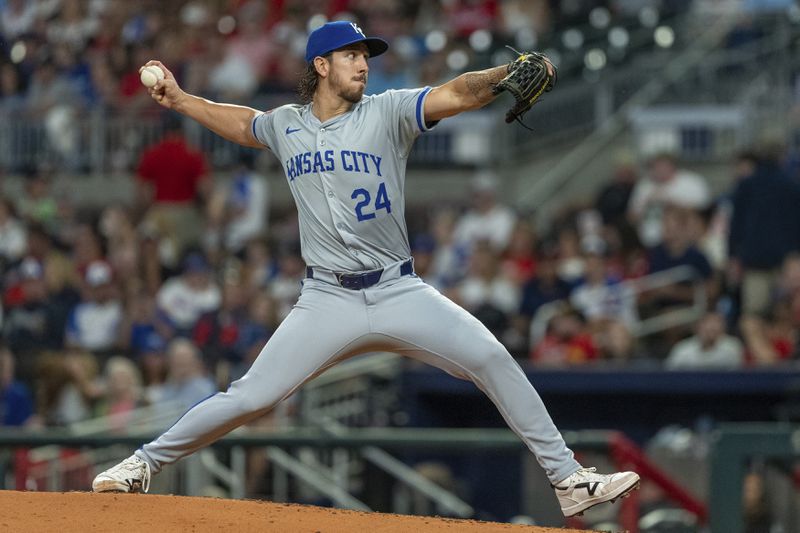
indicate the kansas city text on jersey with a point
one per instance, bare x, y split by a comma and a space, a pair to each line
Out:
325, 161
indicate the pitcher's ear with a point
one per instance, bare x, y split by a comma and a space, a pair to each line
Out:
322, 65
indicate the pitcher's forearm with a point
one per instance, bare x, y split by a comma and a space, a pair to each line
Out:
466, 92
478, 85
233, 122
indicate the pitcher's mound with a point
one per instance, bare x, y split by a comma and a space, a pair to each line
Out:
81, 512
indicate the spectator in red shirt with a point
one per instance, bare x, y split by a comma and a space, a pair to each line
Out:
519, 262
132, 98
173, 176
567, 342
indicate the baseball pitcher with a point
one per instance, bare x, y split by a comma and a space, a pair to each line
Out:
345, 155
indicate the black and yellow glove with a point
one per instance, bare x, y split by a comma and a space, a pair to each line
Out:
527, 79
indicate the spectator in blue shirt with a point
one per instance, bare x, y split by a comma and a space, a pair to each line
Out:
546, 286
187, 380
765, 228
16, 406
677, 249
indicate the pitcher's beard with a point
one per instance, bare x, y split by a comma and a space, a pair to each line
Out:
351, 95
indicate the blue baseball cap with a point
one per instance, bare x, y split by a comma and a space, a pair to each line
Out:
335, 35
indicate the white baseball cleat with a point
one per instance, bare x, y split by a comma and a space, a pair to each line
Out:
585, 488
131, 475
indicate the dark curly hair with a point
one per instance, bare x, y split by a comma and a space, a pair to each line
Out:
308, 82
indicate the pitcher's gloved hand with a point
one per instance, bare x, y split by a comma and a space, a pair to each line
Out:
529, 76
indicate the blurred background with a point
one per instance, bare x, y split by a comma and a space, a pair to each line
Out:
638, 253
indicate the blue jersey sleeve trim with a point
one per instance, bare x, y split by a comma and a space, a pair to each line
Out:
253, 129
420, 101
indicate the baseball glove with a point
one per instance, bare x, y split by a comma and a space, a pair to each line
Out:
527, 80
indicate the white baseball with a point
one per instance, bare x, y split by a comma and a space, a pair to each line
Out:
150, 75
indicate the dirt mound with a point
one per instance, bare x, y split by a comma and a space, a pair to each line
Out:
81, 512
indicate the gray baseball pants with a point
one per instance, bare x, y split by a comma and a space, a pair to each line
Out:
399, 314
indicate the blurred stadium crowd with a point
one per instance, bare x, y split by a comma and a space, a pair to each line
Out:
171, 295
87, 52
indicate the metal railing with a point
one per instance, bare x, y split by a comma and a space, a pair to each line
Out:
748, 88
623, 452
629, 290
404, 474
142, 419
347, 393
49, 462
100, 142
734, 448
343, 395
541, 193
696, 132
722, 106
41, 469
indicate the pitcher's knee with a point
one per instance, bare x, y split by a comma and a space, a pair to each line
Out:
253, 403
248, 401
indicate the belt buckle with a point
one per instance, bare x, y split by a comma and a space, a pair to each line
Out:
348, 281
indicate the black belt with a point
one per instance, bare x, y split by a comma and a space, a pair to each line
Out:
363, 280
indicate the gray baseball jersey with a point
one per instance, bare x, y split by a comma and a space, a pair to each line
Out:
347, 176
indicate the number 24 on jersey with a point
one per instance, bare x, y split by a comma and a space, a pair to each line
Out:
364, 211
